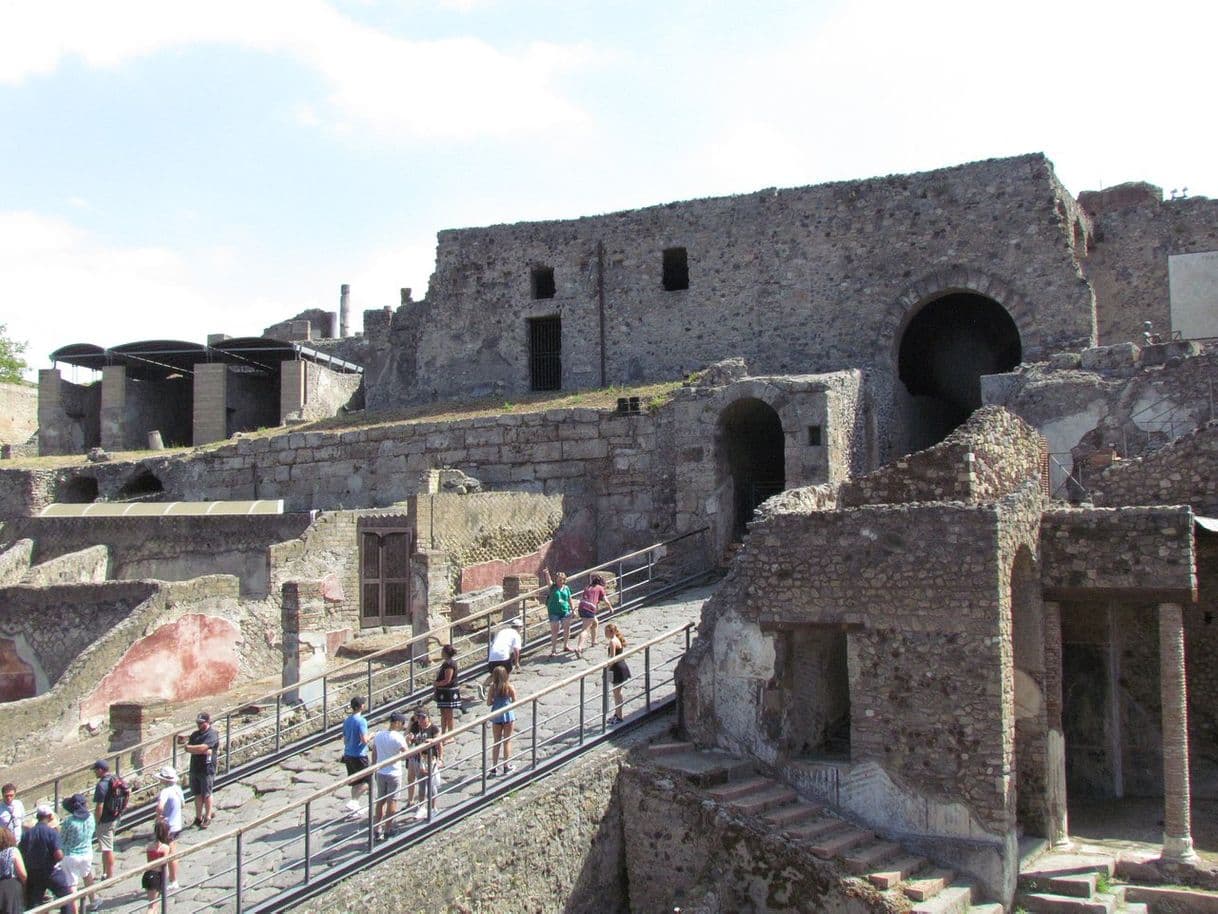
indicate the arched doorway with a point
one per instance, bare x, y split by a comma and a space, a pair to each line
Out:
946, 347
752, 446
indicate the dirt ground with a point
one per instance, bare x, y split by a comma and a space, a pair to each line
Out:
1137, 824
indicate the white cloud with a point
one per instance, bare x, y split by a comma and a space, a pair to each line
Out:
453, 88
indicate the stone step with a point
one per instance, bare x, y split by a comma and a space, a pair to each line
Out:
835, 842
992, 907
754, 804
794, 814
1134, 907
813, 830
954, 899
925, 886
1195, 901
896, 872
1048, 903
1081, 885
1053, 864
670, 748
735, 789
867, 857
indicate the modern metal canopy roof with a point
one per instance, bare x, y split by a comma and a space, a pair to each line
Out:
163, 508
160, 359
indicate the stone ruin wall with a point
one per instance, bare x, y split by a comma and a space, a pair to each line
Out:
18, 417
812, 279
1183, 473
1135, 231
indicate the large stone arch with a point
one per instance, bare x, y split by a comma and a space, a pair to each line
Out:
944, 333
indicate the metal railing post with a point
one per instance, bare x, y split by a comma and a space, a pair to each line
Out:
173, 752
484, 726
57, 796
409, 672
371, 808
604, 700
371, 700
237, 889
325, 703
278, 719
582, 680
308, 841
647, 675
228, 743
535, 736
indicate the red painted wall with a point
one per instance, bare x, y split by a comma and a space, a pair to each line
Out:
194, 657
491, 574
16, 676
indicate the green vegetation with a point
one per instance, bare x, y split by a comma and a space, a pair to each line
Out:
12, 364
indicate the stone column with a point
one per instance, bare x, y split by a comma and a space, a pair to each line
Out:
1055, 773
210, 403
1177, 824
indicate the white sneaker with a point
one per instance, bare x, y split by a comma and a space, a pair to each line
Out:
421, 813
352, 806
173, 887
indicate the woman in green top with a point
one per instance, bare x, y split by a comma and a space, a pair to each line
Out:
558, 607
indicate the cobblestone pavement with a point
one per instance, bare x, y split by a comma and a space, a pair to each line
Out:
273, 852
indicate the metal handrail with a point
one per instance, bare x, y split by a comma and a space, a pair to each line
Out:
226, 718
530, 701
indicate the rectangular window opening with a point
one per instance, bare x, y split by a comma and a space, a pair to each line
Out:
545, 353
676, 269
814, 437
542, 281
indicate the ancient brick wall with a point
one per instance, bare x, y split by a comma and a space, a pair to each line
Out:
1183, 473
1123, 398
811, 279
990, 456
1126, 551
166, 548
1135, 233
18, 413
68, 414
87, 566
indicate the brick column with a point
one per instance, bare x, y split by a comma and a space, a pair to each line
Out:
1055, 768
113, 407
292, 388
1177, 821
211, 403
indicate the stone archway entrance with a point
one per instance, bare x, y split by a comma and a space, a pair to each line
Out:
947, 345
753, 455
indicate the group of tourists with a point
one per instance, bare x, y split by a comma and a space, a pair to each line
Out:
55, 854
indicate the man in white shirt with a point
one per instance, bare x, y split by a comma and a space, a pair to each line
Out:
505, 648
169, 804
385, 745
12, 811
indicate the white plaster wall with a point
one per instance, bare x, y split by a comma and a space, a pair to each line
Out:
1064, 433
1193, 282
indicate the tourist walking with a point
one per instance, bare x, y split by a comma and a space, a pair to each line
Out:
153, 881
12, 811
589, 605
502, 693
106, 812
385, 745
12, 874
505, 648
618, 671
41, 853
558, 608
423, 768
170, 803
76, 839
203, 746
355, 753
448, 696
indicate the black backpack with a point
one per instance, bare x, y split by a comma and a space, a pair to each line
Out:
117, 798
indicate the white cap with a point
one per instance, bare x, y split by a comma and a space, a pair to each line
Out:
516, 623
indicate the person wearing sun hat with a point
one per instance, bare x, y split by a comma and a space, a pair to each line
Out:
169, 804
76, 838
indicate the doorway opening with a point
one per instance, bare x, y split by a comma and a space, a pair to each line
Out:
1032, 756
545, 353
945, 349
384, 576
814, 678
753, 444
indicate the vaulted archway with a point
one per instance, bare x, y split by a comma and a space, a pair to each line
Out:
752, 452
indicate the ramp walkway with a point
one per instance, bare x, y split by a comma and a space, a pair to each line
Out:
283, 831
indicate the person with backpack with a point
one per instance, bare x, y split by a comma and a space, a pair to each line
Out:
109, 800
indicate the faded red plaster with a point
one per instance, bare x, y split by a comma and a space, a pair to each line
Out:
193, 657
16, 676
490, 574
336, 639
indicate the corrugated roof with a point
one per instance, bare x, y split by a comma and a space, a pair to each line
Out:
164, 508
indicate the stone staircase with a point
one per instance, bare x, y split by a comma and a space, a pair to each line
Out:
1070, 883
885, 864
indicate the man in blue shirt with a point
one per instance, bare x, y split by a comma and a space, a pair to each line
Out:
41, 851
355, 752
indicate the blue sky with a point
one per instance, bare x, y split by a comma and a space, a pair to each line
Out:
169, 170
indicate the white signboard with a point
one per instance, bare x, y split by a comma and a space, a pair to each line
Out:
1193, 280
